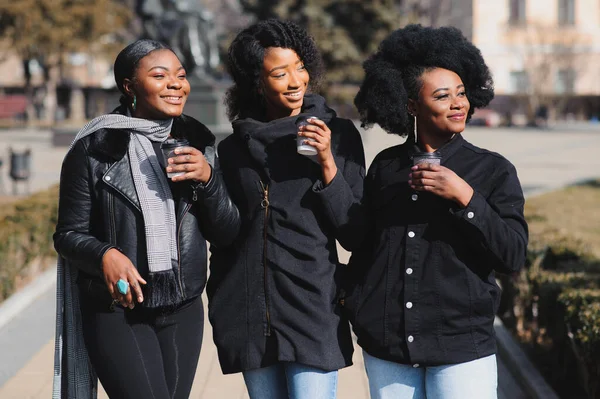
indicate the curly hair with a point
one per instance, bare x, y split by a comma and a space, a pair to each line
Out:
245, 61
393, 74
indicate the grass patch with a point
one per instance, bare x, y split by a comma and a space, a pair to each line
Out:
26, 228
568, 217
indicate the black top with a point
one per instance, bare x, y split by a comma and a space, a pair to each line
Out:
273, 292
425, 288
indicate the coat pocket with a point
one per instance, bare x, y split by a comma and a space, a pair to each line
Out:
95, 292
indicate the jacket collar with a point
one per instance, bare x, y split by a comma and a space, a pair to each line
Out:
113, 143
278, 135
446, 151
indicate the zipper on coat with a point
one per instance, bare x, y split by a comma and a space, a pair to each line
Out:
265, 205
185, 211
113, 223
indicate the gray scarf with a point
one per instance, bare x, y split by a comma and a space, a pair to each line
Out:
74, 376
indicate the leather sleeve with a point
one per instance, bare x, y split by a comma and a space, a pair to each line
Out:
219, 217
73, 239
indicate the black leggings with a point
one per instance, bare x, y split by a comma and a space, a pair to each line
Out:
143, 353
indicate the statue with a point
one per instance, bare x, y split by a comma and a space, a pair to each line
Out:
188, 28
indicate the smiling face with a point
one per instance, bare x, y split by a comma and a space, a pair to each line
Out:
284, 81
442, 106
160, 86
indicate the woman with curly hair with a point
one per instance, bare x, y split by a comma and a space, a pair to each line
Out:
273, 294
425, 297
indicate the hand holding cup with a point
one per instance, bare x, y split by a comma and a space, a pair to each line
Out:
185, 162
314, 133
428, 175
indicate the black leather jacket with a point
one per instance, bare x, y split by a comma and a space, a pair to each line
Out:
99, 209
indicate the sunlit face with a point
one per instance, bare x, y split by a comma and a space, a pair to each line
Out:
284, 81
442, 106
160, 86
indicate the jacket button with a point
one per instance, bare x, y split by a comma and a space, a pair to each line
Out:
107, 178
411, 234
414, 197
470, 215
409, 271
411, 338
409, 305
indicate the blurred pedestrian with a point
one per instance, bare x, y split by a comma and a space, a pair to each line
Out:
273, 294
432, 235
131, 241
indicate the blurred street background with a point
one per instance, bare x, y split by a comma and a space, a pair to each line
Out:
56, 74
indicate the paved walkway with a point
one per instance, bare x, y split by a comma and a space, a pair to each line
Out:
545, 160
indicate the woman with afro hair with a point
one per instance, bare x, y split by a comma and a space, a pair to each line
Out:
425, 297
274, 296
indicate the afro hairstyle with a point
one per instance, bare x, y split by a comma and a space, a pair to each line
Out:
393, 74
245, 61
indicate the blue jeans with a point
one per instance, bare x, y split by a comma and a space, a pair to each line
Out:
477, 379
291, 380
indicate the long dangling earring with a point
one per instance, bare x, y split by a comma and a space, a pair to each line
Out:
134, 103
415, 127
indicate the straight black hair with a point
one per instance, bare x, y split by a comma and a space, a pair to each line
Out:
128, 60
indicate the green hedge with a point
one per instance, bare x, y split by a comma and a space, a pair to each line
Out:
553, 306
26, 228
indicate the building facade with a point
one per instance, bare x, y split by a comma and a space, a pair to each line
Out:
544, 55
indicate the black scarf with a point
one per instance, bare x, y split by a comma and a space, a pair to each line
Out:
278, 136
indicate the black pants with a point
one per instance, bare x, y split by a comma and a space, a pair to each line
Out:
143, 353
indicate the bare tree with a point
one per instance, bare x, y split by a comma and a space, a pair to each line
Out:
551, 58
47, 31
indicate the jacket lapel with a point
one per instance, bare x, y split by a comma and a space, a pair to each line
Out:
118, 176
112, 145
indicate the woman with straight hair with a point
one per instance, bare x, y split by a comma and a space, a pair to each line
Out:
132, 241
274, 293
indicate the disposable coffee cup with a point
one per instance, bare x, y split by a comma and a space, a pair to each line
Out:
168, 149
427, 157
304, 149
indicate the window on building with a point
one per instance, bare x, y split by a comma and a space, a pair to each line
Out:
566, 12
565, 81
519, 82
517, 11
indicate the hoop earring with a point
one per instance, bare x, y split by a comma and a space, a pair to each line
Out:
134, 103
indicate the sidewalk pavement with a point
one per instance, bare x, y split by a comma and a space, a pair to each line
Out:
45, 159
545, 160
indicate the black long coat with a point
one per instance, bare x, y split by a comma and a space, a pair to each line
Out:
273, 294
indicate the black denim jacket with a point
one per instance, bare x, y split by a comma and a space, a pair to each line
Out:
423, 269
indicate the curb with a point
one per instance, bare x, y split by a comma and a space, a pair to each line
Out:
21, 299
520, 366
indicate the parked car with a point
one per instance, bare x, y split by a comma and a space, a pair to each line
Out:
485, 117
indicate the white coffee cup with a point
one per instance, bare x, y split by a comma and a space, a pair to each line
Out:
302, 148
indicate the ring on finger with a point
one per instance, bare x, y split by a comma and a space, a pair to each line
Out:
122, 286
